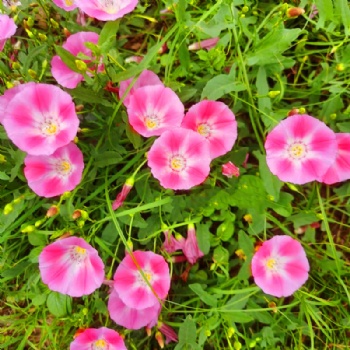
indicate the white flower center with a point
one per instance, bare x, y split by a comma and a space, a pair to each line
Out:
141, 279
64, 167
100, 344
78, 254
151, 122
109, 6
297, 150
50, 127
204, 129
274, 264
177, 163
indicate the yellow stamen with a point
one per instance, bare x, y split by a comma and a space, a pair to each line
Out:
151, 123
297, 150
177, 163
270, 264
203, 129
64, 167
69, 2
80, 250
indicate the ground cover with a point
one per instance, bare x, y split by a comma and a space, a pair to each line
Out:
99, 229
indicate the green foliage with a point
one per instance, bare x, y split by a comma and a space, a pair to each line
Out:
264, 65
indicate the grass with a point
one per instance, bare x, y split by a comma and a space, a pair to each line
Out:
264, 65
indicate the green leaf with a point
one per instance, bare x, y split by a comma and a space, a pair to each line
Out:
187, 333
16, 270
303, 218
250, 194
219, 86
203, 235
269, 49
59, 304
4, 176
284, 205
39, 299
225, 230
109, 234
221, 255
107, 158
37, 51
67, 58
203, 295
271, 182
87, 95
107, 38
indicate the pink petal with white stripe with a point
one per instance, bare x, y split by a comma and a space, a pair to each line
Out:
132, 318
154, 109
132, 286
280, 266
180, 159
40, 119
300, 149
146, 78
106, 10
71, 266
50, 176
216, 122
340, 169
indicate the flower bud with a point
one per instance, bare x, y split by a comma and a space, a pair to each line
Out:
340, 67
295, 12
160, 339
273, 94
28, 229
81, 65
8, 208
54, 210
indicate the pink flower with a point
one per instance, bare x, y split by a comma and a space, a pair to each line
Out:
130, 283
171, 244
204, 44
340, 169
50, 176
154, 109
169, 333
300, 149
106, 10
229, 170
71, 266
129, 317
40, 119
98, 339
67, 5
180, 159
191, 249
216, 122
280, 266
129, 183
7, 29
75, 44
7, 97
146, 78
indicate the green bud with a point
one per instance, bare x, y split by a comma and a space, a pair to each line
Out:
81, 65
252, 344
302, 110
16, 65
230, 332
237, 345
54, 23
28, 229
340, 67
333, 116
30, 22
80, 223
42, 37
32, 73
245, 9
8, 208
273, 94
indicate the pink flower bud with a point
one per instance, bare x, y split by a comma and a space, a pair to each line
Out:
129, 183
191, 248
170, 334
204, 44
229, 170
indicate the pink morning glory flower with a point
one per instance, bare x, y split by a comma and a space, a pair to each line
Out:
300, 149
67, 5
71, 266
154, 109
216, 122
191, 249
40, 119
340, 169
280, 266
7, 29
146, 78
229, 170
204, 44
180, 159
106, 10
50, 176
75, 44
98, 339
131, 284
129, 317
7, 97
